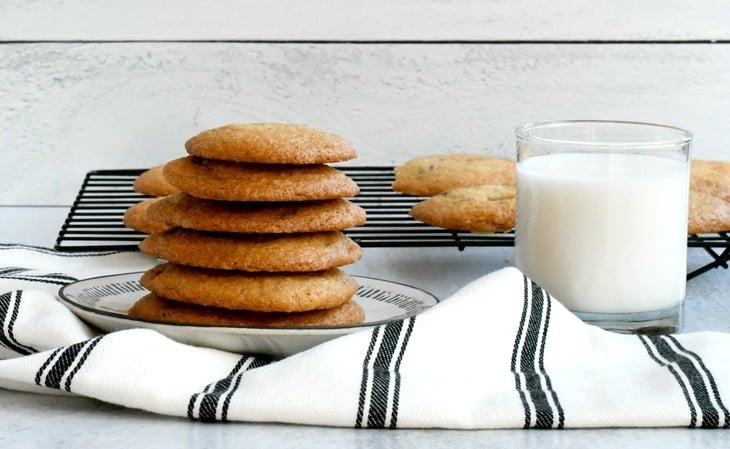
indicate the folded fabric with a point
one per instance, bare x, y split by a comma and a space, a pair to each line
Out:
499, 353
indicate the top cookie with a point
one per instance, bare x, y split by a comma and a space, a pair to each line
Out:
270, 143
434, 174
153, 183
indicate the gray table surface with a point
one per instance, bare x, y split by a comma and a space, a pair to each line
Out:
30, 420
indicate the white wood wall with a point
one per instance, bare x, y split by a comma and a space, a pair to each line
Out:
110, 84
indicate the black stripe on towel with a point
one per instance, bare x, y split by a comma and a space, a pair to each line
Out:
380, 384
39, 249
257, 363
84, 355
531, 379
204, 405
711, 384
381, 375
696, 381
9, 306
12, 270
541, 360
57, 276
65, 363
26, 274
515, 351
654, 354
39, 374
366, 376
36, 279
396, 393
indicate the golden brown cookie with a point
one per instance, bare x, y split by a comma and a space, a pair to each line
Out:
482, 209
707, 213
232, 181
241, 290
153, 183
152, 307
253, 252
137, 218
434, 174
270, 143
189, 212
711, 177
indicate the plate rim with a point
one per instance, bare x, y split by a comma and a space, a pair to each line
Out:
253, 329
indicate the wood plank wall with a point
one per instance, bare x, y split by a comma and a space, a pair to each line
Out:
109, 84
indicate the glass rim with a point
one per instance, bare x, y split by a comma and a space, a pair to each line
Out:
523, 132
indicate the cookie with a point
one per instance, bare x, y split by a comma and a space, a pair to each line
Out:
270, 143
153, 183
137, 218
253, 252
241, 290
189, 212
711, 177
707, 213
434, 174
232, 181
152, 307
488, 208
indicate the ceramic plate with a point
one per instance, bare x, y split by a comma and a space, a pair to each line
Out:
104, 301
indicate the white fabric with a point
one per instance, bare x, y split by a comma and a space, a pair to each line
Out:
499, 353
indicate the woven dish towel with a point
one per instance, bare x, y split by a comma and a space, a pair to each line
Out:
499, 353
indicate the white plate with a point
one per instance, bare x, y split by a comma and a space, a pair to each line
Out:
104, 301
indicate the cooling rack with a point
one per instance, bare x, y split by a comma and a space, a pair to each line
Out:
95, 219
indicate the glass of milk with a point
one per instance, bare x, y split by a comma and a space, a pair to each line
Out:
602, 219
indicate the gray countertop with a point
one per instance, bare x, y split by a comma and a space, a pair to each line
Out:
29, 420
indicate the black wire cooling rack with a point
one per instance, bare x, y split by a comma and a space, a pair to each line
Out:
95, 219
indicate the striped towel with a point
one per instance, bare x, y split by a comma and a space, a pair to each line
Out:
499, 353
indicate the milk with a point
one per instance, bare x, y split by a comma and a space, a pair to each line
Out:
604, 233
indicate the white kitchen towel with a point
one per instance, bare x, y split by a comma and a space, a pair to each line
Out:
499, 353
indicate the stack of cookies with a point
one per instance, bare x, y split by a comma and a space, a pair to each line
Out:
255, 234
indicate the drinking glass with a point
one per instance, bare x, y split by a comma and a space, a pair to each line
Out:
602, 219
